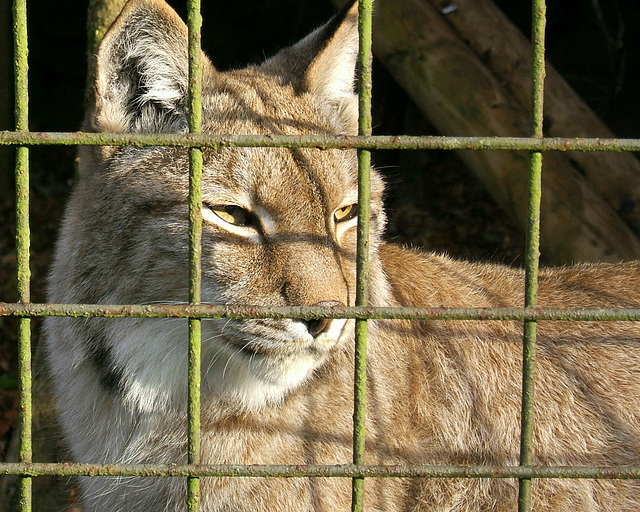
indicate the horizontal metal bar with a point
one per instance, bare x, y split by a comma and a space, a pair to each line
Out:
317, 470
318, 141
310, 312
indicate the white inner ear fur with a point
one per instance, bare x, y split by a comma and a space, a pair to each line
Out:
163, 76
142, 65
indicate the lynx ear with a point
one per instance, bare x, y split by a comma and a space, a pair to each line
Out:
142, 71
324, 64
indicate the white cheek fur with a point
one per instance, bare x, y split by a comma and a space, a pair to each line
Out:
153, 354
153, 357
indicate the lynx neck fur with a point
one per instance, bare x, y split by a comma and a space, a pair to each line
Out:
279, 230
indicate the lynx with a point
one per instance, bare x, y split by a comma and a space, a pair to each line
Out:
280, 230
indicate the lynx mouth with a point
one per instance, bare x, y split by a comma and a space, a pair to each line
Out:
267, 340
252, 350
275, 348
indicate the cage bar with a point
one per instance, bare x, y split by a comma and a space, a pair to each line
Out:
194, 24
362, 264
318, 471
532, 255
34, 309
23, 243
377, 142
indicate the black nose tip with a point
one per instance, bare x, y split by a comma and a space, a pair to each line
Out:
320, 325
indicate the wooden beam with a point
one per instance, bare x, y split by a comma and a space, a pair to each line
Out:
451, 82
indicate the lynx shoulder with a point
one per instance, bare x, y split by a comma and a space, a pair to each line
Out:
280, 230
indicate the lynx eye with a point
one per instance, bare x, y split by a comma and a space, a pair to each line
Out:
345, 213
233, 214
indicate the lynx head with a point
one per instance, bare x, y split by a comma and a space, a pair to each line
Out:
279, 224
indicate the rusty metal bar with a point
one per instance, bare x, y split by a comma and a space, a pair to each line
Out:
23, 243
365, 59
316, 470
194, 24
201, 140
313, 312
532, 253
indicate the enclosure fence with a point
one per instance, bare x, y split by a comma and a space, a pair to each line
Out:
195, 141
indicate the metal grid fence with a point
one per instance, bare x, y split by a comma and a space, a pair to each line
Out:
22, 139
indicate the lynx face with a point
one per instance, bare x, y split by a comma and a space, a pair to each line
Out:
262, 245
279, 225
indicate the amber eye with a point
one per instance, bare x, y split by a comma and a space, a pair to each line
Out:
345, 213
233, 214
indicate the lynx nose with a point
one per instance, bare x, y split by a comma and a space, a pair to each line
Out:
320, 325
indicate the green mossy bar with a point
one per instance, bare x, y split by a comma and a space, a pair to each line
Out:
316, 470
532, 253
378, 142
314, 312
194, 24
365, 58
23, 244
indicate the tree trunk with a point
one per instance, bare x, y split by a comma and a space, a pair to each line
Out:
100, 16
452, 83
506, 51
6, 105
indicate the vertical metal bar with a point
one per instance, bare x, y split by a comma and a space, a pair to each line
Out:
194, 23
532, 256
23, 243
362, 270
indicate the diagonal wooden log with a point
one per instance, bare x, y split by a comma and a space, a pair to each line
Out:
460, 94
100, 16
506, 51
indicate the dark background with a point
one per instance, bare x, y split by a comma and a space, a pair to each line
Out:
597, 54
593, 43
